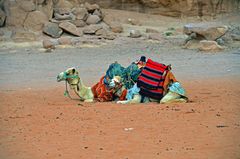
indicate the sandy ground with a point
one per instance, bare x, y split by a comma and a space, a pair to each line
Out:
41, 123
37, 121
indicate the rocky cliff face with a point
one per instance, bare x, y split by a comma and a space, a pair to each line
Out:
171, 7
23, 13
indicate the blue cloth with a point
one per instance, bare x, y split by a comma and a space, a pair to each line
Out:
129, 75
177, 88
132, 91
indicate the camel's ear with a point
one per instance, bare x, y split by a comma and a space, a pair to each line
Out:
73, 70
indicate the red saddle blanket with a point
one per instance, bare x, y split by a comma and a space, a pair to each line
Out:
151, 79
102, 94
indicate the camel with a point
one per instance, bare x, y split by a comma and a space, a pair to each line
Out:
71, 76
90, 94
169, 96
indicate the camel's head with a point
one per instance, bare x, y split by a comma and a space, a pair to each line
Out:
70, 75
115, 81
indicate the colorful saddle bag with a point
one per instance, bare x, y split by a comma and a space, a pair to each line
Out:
151, 79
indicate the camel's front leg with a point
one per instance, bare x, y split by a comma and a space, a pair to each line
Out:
88, 100
136, 99
172, 97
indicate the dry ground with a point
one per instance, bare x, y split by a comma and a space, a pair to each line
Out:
41, 123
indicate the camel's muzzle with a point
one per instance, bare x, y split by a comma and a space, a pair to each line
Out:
59, 79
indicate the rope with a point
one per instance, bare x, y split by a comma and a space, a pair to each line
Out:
67, 94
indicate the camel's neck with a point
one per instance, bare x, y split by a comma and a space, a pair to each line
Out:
81, 90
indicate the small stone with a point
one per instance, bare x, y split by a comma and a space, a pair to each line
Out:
48, 44
133, 21
79, 23
101, 32
91, 29
65, 41
150, 30
93, 19
109, 36
98, 13
91, 7
155, 37
220, 41
235, 37
116, 27
81, 13
67, 16
135, 34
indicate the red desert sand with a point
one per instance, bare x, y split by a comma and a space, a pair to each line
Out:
41, 123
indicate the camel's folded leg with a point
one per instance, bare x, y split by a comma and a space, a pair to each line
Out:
88, 100
136, 99
172, 97
123, 102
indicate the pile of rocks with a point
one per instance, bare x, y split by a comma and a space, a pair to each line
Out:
205, 36
210, 36
55, 19
76, 21
85, 19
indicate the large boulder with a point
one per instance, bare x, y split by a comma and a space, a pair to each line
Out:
27, 5
17, 17
53, 30
2, 17
206, 30
70, 28
35, 21
93, 19
206, 45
